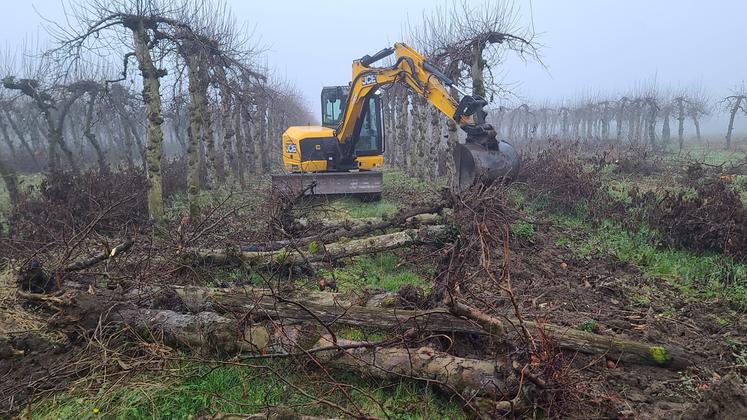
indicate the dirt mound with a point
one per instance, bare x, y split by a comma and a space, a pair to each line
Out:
727, 399
713, 220
43, 367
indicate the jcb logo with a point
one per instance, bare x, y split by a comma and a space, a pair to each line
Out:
369, 79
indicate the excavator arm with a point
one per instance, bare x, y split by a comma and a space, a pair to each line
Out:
422, 77
482, 156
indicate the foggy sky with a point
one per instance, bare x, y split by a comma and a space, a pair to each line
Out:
590, 46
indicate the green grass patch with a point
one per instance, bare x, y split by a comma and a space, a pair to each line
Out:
378, 271
356, 209
205, 389
523, 230
400, 186
359, 334
705, 276
590, 325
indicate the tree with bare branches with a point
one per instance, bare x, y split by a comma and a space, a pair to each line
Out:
734, 103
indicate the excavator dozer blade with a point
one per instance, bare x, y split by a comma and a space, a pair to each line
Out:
475, 162
366, 185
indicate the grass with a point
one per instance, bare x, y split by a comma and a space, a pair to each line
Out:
380, 271
707, 276
194, 389
356, 209
523, 230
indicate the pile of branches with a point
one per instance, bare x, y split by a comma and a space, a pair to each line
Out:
715, 219
556, 172
62, 205
634, 159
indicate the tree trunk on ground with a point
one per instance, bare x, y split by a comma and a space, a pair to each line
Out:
323, 252
615, 348
322, 306
205, 332
466, 377
152, 99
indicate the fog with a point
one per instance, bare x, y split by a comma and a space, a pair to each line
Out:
588, 46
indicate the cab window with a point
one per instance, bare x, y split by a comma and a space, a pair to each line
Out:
333, 105
370, 135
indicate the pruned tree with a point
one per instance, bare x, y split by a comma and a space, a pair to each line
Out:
733, 104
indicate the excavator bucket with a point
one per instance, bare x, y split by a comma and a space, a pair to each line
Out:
475, 162
366, 185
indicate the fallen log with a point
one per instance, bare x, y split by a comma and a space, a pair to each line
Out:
103, 256
460, 318
263, 303
342, 228
615, 348
316, 251
204, 332
32, 277
466, 377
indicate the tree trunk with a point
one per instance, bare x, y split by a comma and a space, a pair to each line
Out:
11, 181
8, 140
259, 137
401, 129
665, 131
22, 138
478, 81
322, 252
680, 122
128, 143
194, 134
466, 377
88, 133
416, 135
211, 160
240, 144
154, 133
732, 114
434, 146
229, 133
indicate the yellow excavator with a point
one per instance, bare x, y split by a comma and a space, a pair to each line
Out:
345, 155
